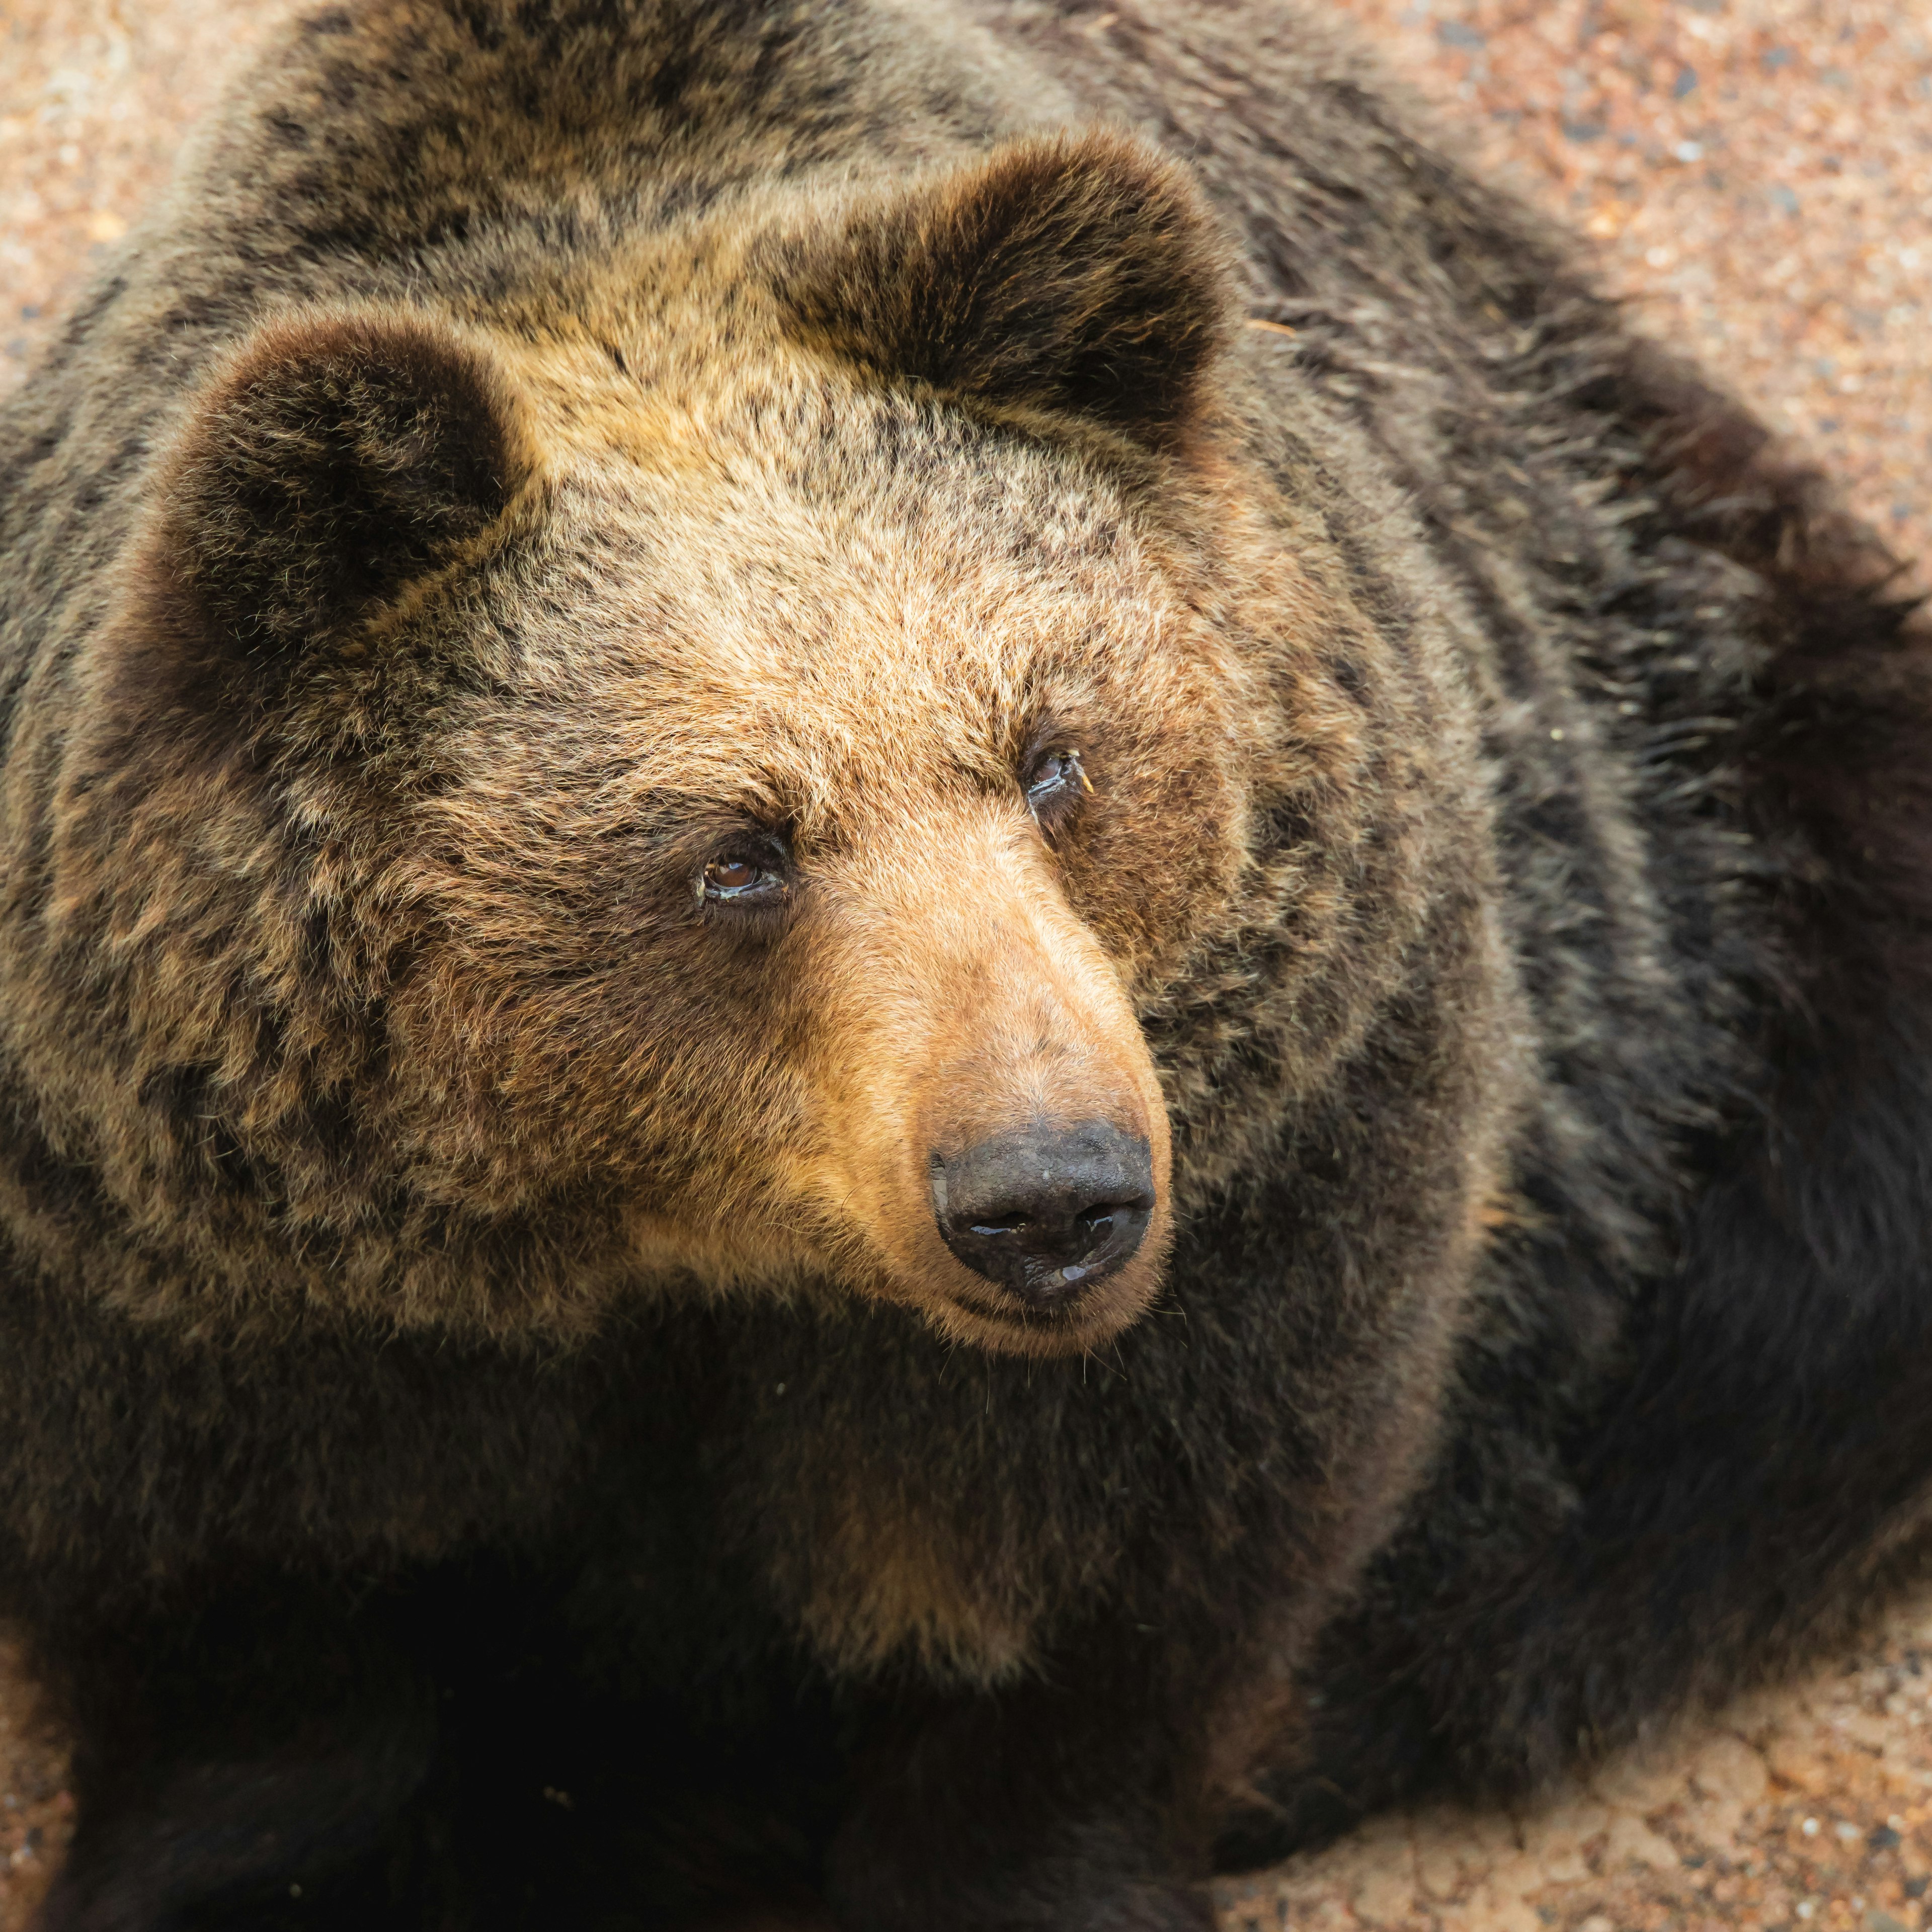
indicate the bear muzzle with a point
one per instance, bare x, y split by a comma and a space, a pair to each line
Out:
1046, 1210
992, 1121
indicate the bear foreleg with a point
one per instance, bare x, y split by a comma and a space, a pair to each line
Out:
243, 1768
1047, 1808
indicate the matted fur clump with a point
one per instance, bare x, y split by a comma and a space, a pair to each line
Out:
936, 968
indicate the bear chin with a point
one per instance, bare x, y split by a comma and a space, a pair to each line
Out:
1003, 1327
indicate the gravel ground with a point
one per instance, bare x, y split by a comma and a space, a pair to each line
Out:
1808, 1806
1756, 175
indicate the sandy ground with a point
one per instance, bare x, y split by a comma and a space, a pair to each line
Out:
1756, 175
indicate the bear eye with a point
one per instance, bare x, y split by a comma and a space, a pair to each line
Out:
742, 879
1055, 785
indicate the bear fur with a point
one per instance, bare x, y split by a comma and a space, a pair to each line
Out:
629, 625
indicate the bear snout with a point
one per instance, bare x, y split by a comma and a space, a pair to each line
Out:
1047, 1209
993, 1126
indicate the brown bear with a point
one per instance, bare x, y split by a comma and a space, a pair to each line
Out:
938, 967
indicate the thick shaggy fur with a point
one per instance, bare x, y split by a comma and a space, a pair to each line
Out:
493, 1437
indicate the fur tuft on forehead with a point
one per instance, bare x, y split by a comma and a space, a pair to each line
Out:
1075, 273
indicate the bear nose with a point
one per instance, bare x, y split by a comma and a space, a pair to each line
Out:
1046, 1210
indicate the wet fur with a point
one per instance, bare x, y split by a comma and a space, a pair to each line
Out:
1512, 844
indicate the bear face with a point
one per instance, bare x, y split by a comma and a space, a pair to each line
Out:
700, 783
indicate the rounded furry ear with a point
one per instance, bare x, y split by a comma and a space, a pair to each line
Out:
338, 460
1081, 273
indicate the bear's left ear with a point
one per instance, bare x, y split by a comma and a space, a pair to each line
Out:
338, 459
1079, 273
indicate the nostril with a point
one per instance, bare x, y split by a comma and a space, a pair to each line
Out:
1045, 1210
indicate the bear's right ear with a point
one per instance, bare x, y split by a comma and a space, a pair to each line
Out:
337, 461
1078, 273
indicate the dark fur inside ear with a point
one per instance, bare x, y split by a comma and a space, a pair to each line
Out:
1081, 273
338, 460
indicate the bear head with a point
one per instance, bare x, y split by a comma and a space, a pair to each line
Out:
695, 770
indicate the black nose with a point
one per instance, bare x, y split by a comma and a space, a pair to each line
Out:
1046, 1210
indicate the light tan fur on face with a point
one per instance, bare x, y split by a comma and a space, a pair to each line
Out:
866, 669
956, 1014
